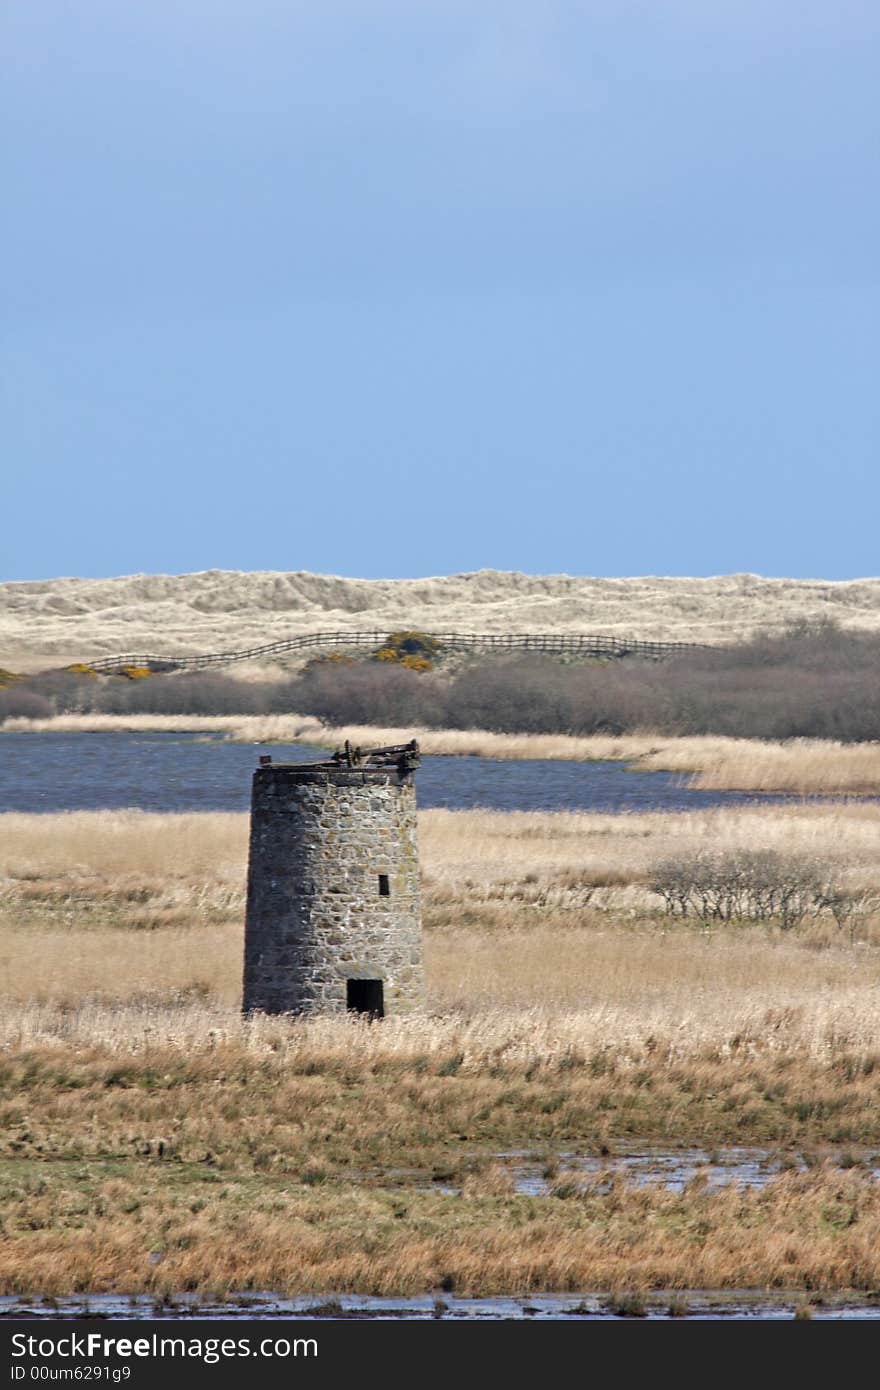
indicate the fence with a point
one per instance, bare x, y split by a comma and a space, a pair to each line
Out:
552, 644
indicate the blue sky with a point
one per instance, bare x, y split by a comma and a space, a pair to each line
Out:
390, 289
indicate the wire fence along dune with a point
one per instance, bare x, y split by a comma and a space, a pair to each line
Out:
547, 643
50, 622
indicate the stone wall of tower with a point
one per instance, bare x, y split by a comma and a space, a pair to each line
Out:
316, 917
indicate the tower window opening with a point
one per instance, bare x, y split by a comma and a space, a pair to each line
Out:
384, 886
365, 997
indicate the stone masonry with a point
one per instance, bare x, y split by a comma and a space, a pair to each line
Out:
333, 909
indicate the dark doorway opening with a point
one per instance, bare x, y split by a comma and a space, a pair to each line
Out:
384, 886
365, 997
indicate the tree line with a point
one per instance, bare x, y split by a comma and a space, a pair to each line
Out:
808, 682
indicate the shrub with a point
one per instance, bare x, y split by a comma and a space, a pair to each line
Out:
743, 885
812, 682
413, 644
17, 702
328, 659
415, 650
195, 692
370, 692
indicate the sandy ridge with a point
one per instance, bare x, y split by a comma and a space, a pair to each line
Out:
53, 621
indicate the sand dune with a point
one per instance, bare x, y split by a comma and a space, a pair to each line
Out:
54, 621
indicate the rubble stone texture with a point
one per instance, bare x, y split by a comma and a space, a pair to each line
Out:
317, 917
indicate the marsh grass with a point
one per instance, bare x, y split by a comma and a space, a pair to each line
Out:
547, 914
141, 1116
133, 1228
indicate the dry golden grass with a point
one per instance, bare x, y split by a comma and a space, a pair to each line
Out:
492, 846
139, 1114
122, 848
534, 921
151, 1230
54, 621
482, 848
146, 723
802, 767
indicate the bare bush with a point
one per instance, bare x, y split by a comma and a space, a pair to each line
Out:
185, 693
370, 692
847, 908
814, 682
206, 693
745, 885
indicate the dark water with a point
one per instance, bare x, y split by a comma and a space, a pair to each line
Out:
697, 1305
189, 772
648, 1165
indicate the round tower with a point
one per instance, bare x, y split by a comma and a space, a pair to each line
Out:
333, 909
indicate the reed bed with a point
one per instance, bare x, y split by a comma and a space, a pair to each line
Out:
840, 1019
294, 726
152, 1233
542, 935
152, 1139
482, 851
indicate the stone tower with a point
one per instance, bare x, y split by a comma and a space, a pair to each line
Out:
333, 910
